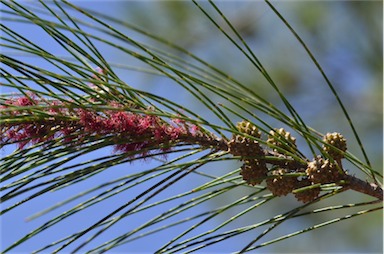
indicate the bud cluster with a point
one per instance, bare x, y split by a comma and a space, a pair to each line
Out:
254, 169
284, 178
335, 145
309, 194
280, 184
323, 171
282, 139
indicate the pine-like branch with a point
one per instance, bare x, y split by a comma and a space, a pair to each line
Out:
137, 133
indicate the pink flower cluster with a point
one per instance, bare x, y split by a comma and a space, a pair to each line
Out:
20, 132
132, 132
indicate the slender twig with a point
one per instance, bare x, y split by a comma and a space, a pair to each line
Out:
140, 132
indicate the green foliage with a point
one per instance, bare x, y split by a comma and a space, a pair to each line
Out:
191, 196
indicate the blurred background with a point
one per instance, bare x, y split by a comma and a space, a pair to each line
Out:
346, 39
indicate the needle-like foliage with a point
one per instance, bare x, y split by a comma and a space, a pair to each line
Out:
70, 119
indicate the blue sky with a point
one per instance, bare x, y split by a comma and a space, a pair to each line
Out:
338, 56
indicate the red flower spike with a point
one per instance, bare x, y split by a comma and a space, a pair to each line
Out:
24, 101
91, 121
12, 134
122, 122
53, 109
146, 123
140, 131
194, 129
